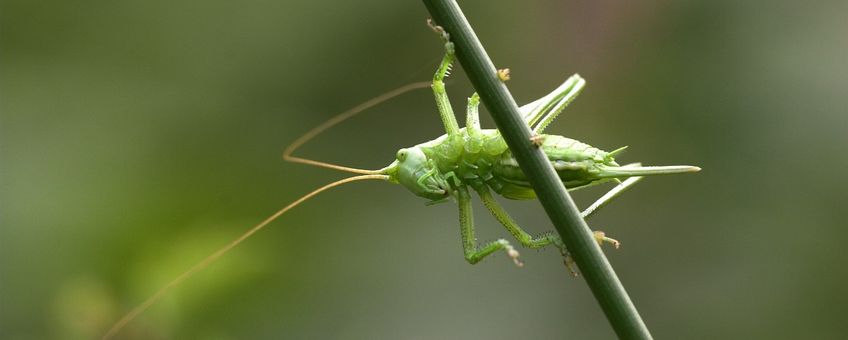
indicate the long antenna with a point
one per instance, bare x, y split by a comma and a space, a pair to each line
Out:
214, 256
287, 154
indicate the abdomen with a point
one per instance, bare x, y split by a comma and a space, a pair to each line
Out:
575, 163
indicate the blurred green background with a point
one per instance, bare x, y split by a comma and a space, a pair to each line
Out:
136, 137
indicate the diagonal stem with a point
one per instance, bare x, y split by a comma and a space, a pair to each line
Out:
559, 206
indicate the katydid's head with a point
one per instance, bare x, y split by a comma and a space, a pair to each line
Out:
419, 174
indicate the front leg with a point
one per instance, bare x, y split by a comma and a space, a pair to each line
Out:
442, 101
473, 253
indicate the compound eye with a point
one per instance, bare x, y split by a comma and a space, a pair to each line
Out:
402, 154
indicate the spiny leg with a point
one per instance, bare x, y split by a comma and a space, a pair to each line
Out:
473, 253
442, 101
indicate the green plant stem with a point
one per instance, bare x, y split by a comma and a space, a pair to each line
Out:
559, 206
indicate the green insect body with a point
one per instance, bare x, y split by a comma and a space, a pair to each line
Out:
479, 159
470, 157
436, 168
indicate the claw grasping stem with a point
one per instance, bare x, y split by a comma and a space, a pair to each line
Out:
601, 237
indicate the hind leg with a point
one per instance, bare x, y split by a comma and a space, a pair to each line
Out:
609, 196
543, 111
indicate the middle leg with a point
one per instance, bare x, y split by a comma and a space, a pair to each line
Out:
473, 253
542, 240
522, 236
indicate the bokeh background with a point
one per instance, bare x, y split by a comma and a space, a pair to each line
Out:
136, 137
